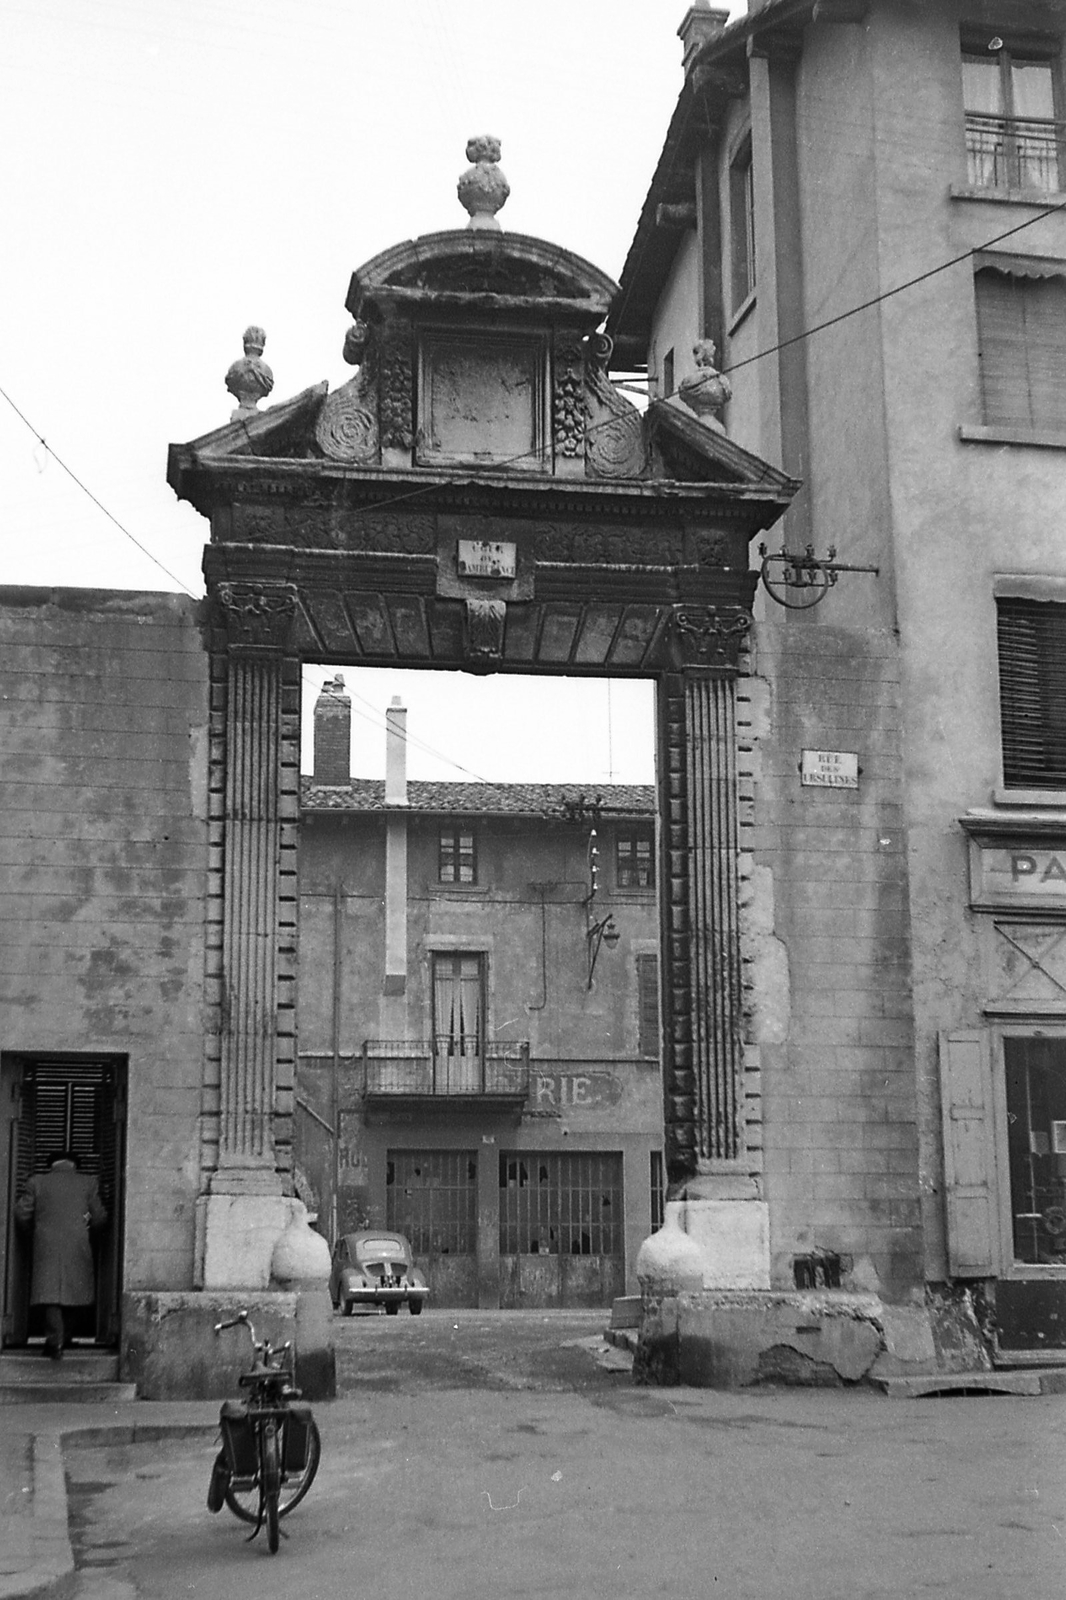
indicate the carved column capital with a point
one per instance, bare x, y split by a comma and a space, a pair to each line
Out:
257, 617
709, 636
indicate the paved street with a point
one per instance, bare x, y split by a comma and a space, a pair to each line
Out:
486, 1456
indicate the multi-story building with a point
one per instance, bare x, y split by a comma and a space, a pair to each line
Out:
478, 1020
863, 205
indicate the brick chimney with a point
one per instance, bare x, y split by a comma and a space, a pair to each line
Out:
703, 22
333, 736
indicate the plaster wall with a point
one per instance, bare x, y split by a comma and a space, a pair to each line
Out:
591, 1090
677, 314
962, 512
824, 893
525, 913
103, 800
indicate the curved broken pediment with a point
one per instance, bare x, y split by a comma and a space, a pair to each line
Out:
464, 262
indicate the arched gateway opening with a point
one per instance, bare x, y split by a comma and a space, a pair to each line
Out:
479, 497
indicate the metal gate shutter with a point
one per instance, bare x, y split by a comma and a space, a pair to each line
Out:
431, 1196
562, 1235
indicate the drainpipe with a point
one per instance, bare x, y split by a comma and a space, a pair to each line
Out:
395, 870
336, 1086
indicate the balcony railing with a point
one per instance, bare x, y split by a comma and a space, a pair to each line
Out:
1014, 152
427, 1067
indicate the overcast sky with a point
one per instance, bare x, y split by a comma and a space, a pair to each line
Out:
176, 169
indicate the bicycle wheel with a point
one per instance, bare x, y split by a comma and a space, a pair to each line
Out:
270, 1481
242, 1495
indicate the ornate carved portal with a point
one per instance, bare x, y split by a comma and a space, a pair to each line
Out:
263, 629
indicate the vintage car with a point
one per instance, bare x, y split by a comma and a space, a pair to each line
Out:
375, 1268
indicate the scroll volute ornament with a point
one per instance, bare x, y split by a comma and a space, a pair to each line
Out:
710, 636
257, 617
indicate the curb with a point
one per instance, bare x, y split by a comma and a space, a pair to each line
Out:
53, 1571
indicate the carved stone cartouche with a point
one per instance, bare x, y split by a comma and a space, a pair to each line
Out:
706, 391
249, 379
483, 189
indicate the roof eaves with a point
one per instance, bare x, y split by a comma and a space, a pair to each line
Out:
625, 323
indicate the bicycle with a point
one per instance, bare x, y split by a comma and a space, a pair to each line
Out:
270, 1441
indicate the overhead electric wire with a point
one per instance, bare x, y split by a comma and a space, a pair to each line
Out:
96, 502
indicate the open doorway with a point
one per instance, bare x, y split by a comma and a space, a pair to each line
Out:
51, 1103
478, 972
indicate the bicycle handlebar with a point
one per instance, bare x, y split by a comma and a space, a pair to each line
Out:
263, 1346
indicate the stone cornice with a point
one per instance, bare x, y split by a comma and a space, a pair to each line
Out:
210, 483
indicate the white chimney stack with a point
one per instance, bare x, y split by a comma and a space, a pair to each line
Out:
396, 753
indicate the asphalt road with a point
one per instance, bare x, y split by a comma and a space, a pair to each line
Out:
484, 1458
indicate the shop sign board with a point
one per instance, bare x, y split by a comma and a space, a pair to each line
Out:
1017, 875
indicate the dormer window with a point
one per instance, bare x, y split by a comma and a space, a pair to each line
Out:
482, 400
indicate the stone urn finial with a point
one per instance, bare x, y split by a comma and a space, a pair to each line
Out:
706, 391
249, 380
483, 189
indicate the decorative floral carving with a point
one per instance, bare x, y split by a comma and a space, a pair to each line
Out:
395, 390
257, 616
483, 189
710, 637
484, 628
570, 411
249, 379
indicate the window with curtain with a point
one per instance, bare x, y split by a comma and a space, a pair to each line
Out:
458, 1021
1021, 335
1032, 692
1010, 96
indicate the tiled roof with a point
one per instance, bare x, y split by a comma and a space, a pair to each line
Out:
484, 799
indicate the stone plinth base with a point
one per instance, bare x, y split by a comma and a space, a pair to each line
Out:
171, 1351
236, 1235
731, 1339
734, 1236
723, 1339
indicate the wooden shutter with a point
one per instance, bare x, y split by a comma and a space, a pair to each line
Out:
1021, 335
648, 1005
1031, 637
969, 1155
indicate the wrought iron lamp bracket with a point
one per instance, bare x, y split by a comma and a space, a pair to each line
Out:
801, 581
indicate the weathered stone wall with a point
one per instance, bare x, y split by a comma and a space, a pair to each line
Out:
828, 948
103, 797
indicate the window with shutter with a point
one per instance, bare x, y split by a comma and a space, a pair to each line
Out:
1032, 692
1021, 336
648, 1005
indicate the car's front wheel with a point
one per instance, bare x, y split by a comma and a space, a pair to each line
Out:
391, 1309
348, 1306
415, 1307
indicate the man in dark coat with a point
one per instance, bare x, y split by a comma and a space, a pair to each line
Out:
61, 1205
